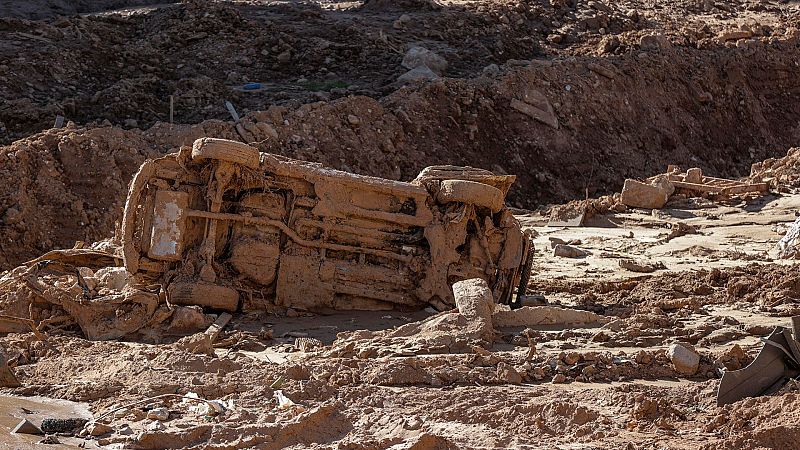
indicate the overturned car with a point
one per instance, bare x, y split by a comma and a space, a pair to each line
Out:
223, 226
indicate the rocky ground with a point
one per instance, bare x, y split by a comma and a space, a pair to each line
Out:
571, 96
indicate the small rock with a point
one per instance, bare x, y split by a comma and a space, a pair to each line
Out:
401, 22
734, 35
158, 414
422, 73
285, 57
684, 358
654, 42
555, 38
507, 373
491, 69
420, 56
641, 266
353, 120
568, 251
131, 123
98, 429
559, 378
12, 216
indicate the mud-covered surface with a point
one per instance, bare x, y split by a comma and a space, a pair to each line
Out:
572, 97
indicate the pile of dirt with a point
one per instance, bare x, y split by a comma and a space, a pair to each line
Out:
413, 128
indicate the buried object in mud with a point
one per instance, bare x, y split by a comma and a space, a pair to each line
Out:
776, 363
222, 214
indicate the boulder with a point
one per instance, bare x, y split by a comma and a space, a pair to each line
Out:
650, 196
684, 358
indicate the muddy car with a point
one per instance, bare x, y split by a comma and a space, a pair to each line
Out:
223, 226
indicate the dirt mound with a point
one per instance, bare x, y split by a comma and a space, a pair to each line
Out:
593, 150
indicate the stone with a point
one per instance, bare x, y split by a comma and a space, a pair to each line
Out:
641, 266
491, 69
98, 429
285, 57
420, 56
507, 374
568, 251
636, 194
422, 73
684, 358
474, 298
694, 175
654, 42
401, 22
12, 216
734, 35
25, 426
535, 104
353, 120
160, 414
555, 38
559, 378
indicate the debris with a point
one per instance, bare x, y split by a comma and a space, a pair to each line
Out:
50, 425
97, 429
641, 266
25, 426
305, 344
536, 105
529, 316
474, 299
695, 183
569, 251
787, 247
778, 361
422, 73
417, 57
645, 195
285, 403
684, 358
679, 229
160, 414
59, 121
310, 271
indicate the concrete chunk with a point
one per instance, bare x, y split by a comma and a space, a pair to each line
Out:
474, 299
642, 195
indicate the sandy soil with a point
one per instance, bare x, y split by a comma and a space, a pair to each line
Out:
632, 86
